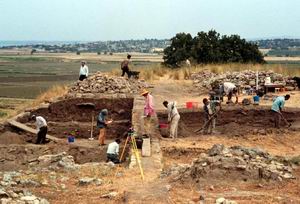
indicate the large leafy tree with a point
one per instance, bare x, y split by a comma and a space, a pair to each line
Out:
179, 50
210, 47
206, 47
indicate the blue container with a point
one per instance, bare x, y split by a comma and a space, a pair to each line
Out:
71, 139
256, 99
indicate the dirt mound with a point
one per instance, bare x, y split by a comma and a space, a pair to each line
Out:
11, 138
101, 83
233, 163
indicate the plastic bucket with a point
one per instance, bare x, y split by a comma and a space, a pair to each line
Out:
191, 105
268, 80
256, 98
71, 139
163, 125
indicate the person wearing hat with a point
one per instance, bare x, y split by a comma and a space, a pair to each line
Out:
173, 117
84, 71
125, 66
42, 129
102, 124
149, 104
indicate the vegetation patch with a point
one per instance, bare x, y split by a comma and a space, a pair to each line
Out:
2, 114
211, 47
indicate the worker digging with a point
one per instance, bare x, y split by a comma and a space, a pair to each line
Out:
210, 115
173, 118
277, 107
42, 129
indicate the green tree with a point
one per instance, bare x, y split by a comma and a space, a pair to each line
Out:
206, 47
179, 50
210, 47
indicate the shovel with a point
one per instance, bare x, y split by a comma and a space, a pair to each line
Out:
211, 117
92, 127
285, 120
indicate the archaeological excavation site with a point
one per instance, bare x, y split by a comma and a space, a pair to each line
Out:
245, 160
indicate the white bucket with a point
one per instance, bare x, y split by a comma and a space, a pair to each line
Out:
268, 80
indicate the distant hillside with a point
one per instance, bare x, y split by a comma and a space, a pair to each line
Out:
279, 47
101, 47
278, 43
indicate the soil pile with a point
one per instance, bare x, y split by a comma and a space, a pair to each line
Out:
101, 83
8, 138
233, 163
205, 79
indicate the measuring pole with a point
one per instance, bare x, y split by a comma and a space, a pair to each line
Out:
256, 80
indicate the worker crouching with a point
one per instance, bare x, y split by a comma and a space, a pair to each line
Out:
113, 151
173, 118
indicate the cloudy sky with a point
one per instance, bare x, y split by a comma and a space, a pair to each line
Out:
90, 20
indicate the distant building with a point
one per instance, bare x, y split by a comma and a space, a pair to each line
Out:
157, 50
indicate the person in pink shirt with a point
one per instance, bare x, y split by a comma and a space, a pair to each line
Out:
149, 104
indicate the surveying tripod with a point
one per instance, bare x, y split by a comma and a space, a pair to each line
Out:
131, 138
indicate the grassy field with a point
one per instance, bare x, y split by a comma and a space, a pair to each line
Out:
28, 77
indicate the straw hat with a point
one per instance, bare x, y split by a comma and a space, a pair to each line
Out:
144, 92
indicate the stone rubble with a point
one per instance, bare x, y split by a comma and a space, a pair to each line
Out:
102, 83
20, 197
205, 79
86, 181
224, 201
61, 160
251, 162
110, 195
13, 184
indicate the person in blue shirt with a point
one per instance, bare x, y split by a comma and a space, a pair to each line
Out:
277, 107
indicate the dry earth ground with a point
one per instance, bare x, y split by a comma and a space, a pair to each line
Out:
131, 189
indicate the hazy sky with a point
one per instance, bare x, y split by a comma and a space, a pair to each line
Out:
90, 20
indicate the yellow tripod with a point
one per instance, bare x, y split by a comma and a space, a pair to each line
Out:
131, 136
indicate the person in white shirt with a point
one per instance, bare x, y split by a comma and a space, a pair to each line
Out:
113, 151
173, 118
230, 90
188, 63
42, 129
84, 71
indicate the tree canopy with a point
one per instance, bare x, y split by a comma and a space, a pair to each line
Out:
211, 47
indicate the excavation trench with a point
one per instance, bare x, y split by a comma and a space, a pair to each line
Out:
65, 118
231, 122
